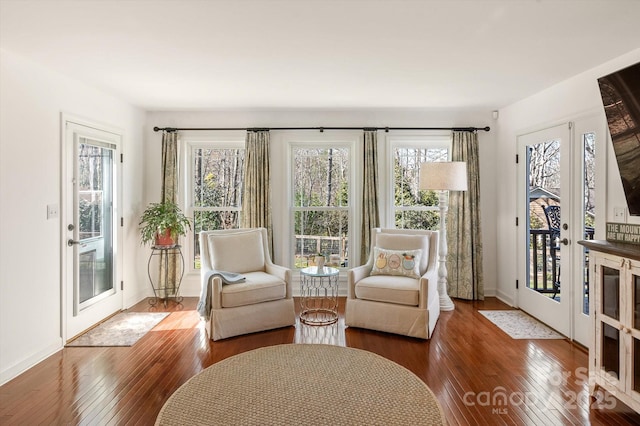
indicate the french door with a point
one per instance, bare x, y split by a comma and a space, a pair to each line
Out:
590, 143
556, 176
545, 273
91, 261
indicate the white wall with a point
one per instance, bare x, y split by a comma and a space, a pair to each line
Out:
31, 102
311, 118
563, 102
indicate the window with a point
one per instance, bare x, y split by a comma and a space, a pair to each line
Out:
215, 178
320, 204
94, 171
415, 208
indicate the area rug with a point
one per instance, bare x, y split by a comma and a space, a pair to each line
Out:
519, 325
303, 384
124, 329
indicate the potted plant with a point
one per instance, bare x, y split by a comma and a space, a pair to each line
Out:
162, 224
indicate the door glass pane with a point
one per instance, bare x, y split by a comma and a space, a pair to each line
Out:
543, 217
589, 209
610, 350
636, 364
636, 302
610, 292
95, 220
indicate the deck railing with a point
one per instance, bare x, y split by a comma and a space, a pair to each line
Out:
544, 260
543, 267
334, 248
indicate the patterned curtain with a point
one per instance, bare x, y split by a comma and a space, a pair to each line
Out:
464, 259
168, 278
370, 213
256, 199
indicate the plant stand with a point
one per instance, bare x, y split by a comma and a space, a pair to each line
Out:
162, 255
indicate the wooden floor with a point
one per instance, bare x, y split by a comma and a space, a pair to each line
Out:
478, 373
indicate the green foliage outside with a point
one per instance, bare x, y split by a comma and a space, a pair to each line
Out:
407, 194
321, 195
535, 222
90, 218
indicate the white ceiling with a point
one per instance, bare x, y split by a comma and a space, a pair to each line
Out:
252, 54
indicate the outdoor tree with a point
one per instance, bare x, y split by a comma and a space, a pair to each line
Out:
415, 208
320, 180
589, 178
544, 166
217, 189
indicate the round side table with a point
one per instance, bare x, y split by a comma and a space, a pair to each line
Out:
319, 295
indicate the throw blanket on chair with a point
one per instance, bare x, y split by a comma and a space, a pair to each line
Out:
204, 305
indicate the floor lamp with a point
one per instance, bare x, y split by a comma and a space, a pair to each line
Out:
444, 177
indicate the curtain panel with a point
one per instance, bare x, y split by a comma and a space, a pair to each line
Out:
370, 211
170, 262
169, 167
256, 196
464, 258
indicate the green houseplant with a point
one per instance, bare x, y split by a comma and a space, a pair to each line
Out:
162, 224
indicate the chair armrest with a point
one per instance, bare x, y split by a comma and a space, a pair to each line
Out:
216, 293
353, 276
212, 290
428, 287
281, 272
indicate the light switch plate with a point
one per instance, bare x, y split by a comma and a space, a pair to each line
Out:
52, 211
620, 214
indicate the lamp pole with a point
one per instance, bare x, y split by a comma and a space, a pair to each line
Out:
443, 177
446, 304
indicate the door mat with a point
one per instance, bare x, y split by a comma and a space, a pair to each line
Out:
124, 329
519, 325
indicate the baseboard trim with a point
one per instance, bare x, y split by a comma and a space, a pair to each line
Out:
27, 363
505, 299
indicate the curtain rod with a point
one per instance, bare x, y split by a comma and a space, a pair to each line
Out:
321, 129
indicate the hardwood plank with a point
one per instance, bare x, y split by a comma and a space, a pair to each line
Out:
468, 364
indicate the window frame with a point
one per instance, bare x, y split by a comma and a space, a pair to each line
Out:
190, 142
334, 141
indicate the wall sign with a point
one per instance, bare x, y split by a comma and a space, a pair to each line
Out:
623, 232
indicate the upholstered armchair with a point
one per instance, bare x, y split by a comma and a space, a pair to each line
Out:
396, 291
261, 300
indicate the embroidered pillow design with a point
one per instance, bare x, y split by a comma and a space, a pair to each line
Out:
396, 262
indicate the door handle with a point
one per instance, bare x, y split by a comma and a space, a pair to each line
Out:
565, 241
71, 242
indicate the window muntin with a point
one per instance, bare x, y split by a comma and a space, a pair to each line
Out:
415, 208
320, 204
215, 178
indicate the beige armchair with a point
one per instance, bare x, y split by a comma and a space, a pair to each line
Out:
406, 302
262, 301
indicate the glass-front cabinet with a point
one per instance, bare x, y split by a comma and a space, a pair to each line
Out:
614, 356
635, 349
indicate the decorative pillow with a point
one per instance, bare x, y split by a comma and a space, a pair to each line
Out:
396, 262
393, 241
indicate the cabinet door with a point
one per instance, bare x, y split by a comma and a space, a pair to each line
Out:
609, 342
632, 285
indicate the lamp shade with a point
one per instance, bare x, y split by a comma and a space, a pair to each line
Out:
447, 176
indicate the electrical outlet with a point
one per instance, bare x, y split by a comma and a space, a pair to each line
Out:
620, 214
52, 211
